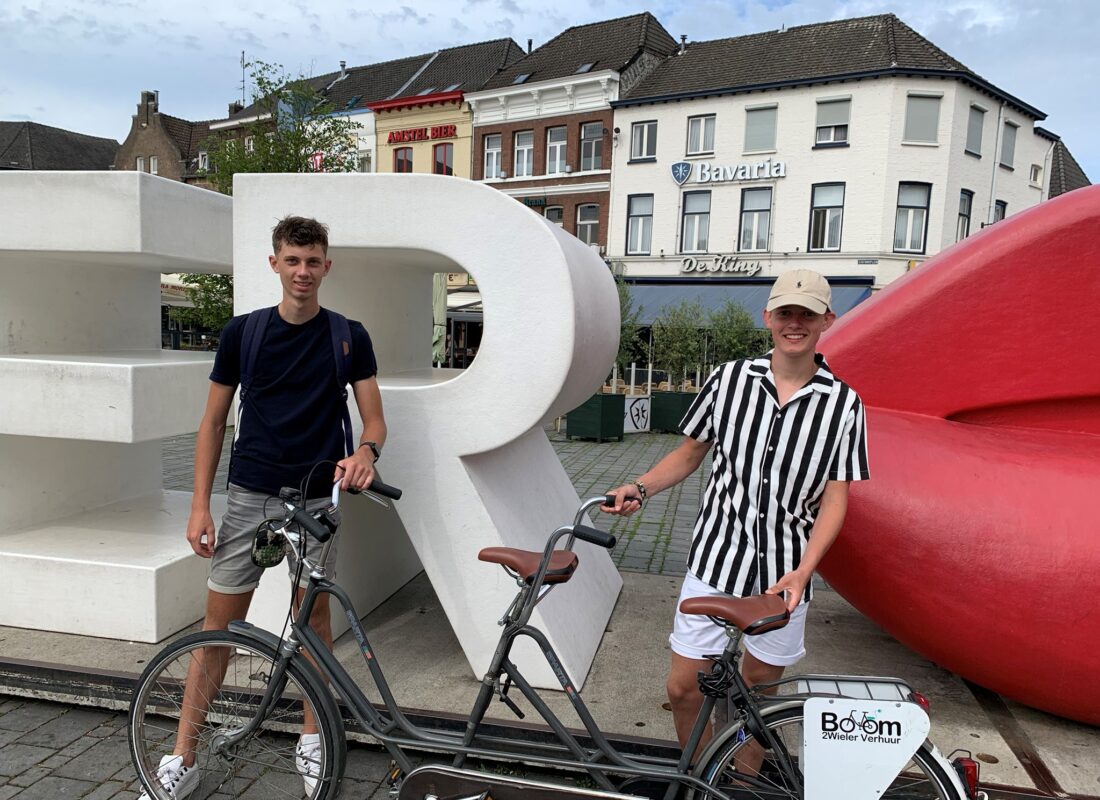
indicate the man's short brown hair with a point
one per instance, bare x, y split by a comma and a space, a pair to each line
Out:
299, 231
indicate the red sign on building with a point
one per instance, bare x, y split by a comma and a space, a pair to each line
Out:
423, 134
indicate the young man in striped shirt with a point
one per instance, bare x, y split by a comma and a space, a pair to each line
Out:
788, 437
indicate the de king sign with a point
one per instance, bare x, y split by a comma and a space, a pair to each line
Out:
860, 745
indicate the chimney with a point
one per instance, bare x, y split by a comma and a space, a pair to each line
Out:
683, 43
529, 43
343, 68
147, 107
235, 108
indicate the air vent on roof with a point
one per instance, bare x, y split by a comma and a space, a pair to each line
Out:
453, 86
521, 78
585, 67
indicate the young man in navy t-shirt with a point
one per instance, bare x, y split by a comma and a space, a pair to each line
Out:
290, 420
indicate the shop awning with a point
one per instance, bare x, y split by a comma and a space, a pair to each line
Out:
652, 295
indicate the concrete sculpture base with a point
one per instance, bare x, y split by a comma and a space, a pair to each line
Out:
468, 449
122, 571
91, 544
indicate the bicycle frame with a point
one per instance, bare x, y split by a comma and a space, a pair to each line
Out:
395, 731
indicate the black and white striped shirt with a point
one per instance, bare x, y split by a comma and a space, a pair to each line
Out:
769, 470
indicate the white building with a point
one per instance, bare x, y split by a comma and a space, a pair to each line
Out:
856, 148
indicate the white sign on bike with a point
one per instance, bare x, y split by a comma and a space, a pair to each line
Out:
854, 749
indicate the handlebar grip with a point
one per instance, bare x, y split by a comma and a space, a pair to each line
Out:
313, 527
594, 536
384, 489
609, 500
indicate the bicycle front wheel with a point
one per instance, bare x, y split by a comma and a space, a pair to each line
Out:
180, 704
923, 778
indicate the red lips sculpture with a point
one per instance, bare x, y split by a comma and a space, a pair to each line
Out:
977, 540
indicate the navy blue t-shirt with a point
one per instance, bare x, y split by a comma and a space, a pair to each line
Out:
291, 418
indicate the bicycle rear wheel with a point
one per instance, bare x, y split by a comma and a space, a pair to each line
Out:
265, 764
923, 778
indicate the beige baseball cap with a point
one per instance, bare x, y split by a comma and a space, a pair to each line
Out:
801, 287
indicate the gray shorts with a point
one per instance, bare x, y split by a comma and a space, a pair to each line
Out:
231, 569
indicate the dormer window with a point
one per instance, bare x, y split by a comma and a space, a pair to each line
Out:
521, 78
587, 67
453, 87
423, 92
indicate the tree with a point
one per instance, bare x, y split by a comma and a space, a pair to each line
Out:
678, 338
733, 334
630, 341
295, 130
213, 299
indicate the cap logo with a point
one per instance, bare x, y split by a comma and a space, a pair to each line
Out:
799, 284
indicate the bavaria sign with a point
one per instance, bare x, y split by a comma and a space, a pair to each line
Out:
710, 172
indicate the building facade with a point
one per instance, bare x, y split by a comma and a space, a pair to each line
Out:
161, 144
856, 148
543, 129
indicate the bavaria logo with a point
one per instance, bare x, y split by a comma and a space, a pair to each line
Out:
681, 171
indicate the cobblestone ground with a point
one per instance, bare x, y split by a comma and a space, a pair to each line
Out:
50, 751
654, 541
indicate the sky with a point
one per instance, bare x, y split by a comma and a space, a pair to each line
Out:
82, 65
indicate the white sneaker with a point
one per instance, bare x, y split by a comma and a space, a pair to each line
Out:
177, 780
307, 758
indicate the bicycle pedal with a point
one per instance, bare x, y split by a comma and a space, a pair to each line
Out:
394, 776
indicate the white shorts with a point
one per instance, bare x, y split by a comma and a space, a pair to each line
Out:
695, 636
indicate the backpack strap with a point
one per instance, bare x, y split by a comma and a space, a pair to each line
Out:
255, 324
340, 331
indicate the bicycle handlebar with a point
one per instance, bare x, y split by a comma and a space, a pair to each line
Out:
594, 536
377, 487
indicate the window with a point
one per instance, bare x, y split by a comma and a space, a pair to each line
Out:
249, 144
204, 160
922, 119
760, 129
826, 216
639, 224
592, 145
403, 159
555, 150
966, 205
588, 223
443, 159
911, 223
586, 67
521, 78
832, 122
756, 212
695, 230
556, 215
1000, 210
1036, 175
153, 164
974, 125
1008, 145
139, 164
525, 154
492, 156
643, 140
700, 135
363, 162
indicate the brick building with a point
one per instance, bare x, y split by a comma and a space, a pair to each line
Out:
543, 130
164, 145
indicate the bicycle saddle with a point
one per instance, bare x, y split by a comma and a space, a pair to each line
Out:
525, 563
759, 613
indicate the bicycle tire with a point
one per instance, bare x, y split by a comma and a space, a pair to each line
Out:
925, 777
262, 765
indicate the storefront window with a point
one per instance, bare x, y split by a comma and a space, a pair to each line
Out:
826, 216
696, 222
639, 224
756, 213
492, 156
911, 222
403, 159
588, 223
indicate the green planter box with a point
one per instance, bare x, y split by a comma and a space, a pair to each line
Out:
600, 417
667, 409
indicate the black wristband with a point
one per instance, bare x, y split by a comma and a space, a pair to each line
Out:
373, 448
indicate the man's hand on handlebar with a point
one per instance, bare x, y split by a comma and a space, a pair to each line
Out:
356, 471
627, 501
